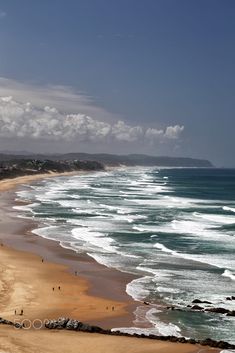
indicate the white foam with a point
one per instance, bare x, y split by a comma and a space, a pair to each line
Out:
101, 259
226, 208
212, 260
161, 289
147, 228
165, 329
137, 289
228, 273
193, 227
28, 207
165, 249
223, 219
158, 327
97, 239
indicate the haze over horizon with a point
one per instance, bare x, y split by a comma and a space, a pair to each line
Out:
127, 76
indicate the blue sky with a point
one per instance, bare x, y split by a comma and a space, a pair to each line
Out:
152, 64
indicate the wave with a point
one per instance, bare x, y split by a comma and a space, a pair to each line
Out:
212, 260
158, 327
168, 290
136, 288
165, 249
28, 207
226, 208
95, 239
190, 227
228, 273
223, 219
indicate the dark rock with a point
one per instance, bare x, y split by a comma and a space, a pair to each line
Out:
198, 301
62, 321
70, 324
230, 298
209, 342
231, 313
152, 336
218, 310
10, 323
224, 345
197, 307
191, 341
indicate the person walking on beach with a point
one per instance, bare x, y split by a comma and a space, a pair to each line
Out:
53, 288
59, 287
15, 312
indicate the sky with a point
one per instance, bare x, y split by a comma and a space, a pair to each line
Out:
123, 76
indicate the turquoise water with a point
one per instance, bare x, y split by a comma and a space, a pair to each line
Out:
174, 228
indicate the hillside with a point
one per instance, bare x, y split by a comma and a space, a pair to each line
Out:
12, 168
115, 160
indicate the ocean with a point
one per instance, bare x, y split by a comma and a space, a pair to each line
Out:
174, 228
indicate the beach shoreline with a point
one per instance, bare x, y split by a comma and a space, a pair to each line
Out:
16, 233
51, 266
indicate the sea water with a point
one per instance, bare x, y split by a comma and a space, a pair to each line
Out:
174, 228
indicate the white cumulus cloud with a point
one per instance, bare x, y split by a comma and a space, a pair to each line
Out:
25, 120
173, 132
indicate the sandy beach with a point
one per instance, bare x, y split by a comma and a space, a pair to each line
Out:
47, 281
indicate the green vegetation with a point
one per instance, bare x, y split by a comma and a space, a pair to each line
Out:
19, 167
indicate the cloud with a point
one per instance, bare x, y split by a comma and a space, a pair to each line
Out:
173, 132
2, 14
64, 98
25, 120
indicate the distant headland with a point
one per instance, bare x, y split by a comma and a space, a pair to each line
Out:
17, 164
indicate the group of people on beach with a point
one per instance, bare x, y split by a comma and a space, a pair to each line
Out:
21, 312
53, 288
107, 308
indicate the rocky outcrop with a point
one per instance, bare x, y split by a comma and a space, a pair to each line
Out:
75, 325
218, 310
198, 301
231, 313
7, 322
197, 307
230, 298
71, 324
